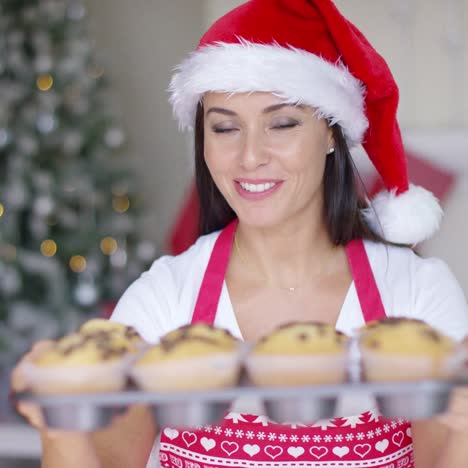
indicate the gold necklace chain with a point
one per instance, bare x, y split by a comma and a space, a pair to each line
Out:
290, 289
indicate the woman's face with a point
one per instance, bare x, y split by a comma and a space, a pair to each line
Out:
267, 158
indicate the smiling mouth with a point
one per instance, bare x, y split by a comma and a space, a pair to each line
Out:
257, 188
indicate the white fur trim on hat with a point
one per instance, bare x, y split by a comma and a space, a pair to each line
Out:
408, 218
296, 75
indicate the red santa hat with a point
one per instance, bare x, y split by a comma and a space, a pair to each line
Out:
306, 52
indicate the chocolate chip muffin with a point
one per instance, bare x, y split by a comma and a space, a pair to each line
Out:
100, 327
299, 354
95, 359
398, 348
192, 357
202, 331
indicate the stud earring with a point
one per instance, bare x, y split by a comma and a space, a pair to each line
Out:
331, 150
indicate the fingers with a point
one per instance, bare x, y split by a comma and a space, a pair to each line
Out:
454, 421
456, 416
18, 382
32, 413
459, 401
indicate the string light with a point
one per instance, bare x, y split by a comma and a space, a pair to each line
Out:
45, 82
121, 204
108, 245
1, 210
48, 248
78, 263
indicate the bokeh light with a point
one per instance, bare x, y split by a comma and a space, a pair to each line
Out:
108, 245
48, 248
78, 263
45, 82
121, 204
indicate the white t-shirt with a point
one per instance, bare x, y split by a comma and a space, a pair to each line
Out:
164, 297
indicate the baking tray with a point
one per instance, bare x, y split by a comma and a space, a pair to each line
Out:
306, 404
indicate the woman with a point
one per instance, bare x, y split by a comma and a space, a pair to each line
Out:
277, 92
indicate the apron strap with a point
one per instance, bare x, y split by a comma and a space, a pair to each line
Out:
364, 281
213, 280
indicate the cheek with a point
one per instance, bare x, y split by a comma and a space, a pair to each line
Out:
304, 158
218, 164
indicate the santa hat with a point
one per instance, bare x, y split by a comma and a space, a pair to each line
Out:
306, 51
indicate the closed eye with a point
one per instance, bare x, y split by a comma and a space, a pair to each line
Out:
223, 130
285, 126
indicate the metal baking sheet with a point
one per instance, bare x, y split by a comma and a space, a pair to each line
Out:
87, 412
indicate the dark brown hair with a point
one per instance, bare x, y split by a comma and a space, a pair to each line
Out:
343, 200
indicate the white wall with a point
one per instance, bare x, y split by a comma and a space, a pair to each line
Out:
142, 41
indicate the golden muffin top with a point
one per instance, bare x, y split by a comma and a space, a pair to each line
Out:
78, 350
399, 335
191, 341
201, 331
99, 327
302, 338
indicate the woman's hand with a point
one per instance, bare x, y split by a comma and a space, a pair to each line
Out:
456, 416
30, 411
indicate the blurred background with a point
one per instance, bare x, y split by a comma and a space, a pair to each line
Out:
94, 173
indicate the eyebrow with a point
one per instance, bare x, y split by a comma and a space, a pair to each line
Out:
267, 110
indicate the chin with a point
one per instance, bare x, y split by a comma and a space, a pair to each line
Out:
261, 220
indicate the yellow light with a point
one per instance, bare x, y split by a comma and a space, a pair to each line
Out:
1, 210
78, 263
108, 245
45, 82
48, 248
121, 204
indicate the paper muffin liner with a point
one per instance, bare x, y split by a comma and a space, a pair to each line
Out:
383, 367
281, 370
100, 377
213, 371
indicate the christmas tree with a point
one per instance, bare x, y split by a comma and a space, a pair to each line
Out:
69, 227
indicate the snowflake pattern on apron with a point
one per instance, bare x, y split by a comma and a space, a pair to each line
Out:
246, 440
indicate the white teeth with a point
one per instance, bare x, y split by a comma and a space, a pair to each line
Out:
257, 187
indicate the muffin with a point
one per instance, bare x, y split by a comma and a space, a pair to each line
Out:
305, 353
192, 357
398, 349
99, 327
80, 363
200, 330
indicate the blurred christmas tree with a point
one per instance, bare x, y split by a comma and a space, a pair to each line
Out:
69, 239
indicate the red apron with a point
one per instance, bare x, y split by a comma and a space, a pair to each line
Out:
246, 440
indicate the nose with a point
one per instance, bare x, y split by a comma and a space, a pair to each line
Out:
253, 153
